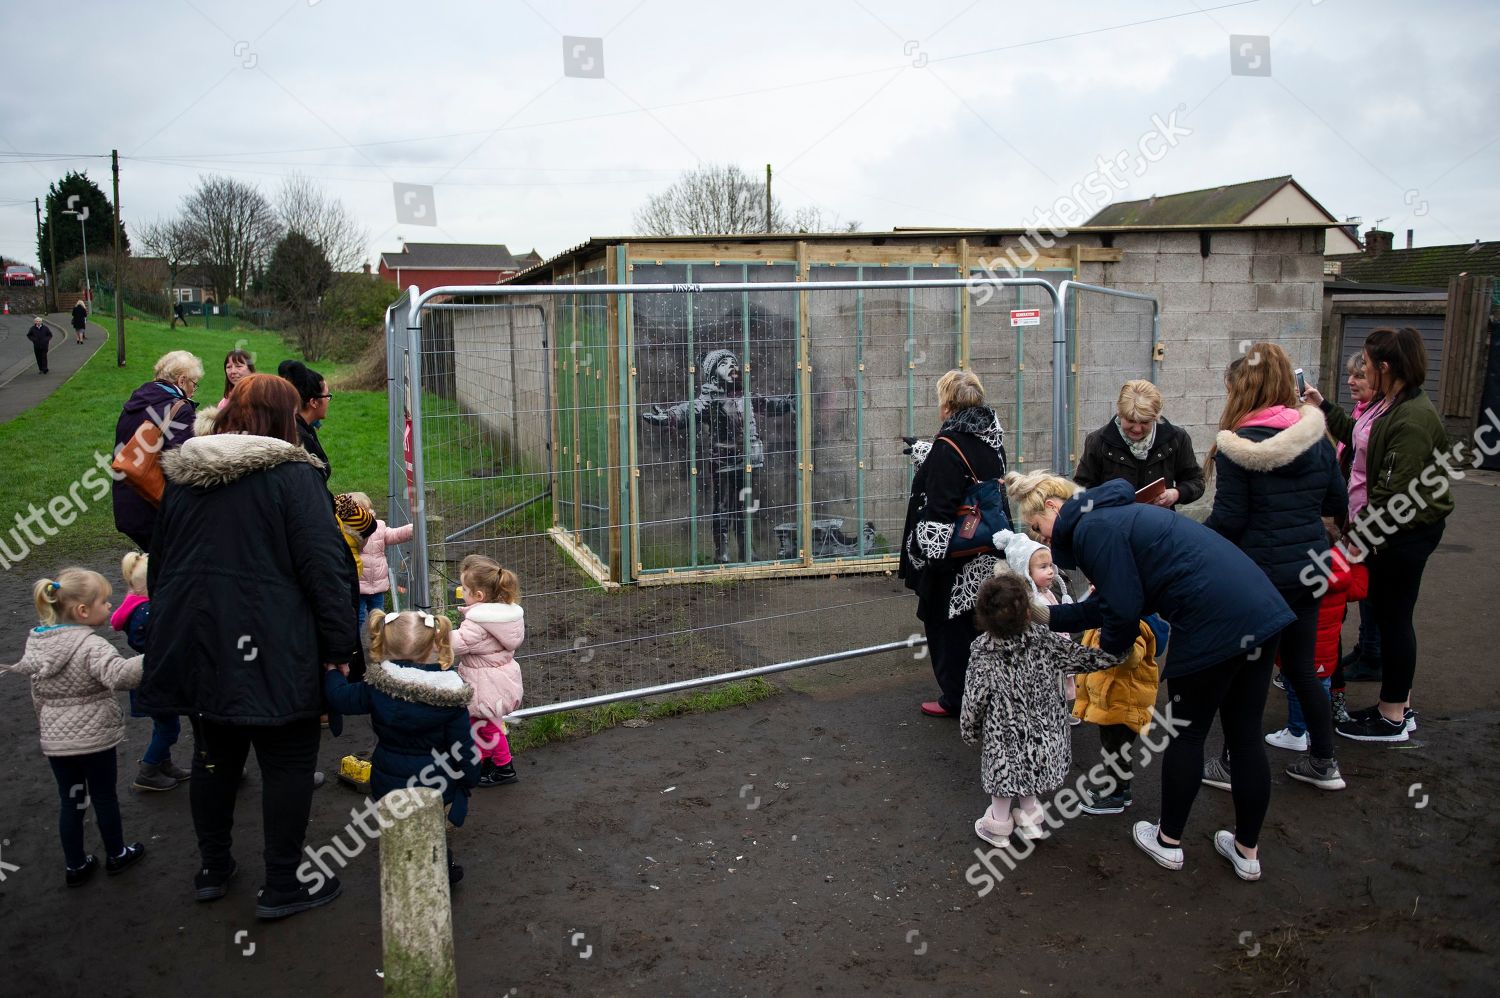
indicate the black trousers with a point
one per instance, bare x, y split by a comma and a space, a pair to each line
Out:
1395, 581
41, 363
287, 755
1297, 648
1235, 689
84, 780
948, 641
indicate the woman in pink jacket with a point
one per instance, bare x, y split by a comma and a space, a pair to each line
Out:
493, 627
375, 571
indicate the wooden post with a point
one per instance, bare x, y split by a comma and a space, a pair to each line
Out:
416, 912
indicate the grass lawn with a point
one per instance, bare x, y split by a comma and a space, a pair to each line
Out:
46, 450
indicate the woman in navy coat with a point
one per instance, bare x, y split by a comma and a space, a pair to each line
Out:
1225, 617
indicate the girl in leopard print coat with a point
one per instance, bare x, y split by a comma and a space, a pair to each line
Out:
1011, 707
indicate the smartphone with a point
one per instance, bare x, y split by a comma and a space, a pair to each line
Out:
1301, 382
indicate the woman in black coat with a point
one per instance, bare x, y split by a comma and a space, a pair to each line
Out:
80, 321
1140, 446
1278, 480
250, 583
946, 587
1225, 619
312, 389
166, 400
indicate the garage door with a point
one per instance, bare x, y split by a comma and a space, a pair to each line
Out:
1357, 327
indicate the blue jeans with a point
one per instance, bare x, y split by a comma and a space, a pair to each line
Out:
1295, 723
164, 733
1369, 632
368, 604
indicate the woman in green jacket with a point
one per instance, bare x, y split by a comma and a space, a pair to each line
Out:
1408, 499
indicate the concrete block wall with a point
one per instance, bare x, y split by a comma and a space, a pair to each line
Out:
1257, 284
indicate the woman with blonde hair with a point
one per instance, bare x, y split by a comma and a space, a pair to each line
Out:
969, 448
167, 401
1277, 481
1225, 616
1140, 446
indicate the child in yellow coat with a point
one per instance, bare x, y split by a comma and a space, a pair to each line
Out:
1120, 700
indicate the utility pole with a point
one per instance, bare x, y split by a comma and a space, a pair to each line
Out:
39, 250
114, 162
768, 197
52, 251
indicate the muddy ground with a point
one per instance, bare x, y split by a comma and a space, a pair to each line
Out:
817, 843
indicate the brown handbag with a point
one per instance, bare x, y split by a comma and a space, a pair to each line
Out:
138, 462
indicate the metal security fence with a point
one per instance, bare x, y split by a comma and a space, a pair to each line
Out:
719, 424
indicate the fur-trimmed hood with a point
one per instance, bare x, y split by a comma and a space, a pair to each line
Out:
420, 683
493, 613
211, 462
203, 426
1279, 449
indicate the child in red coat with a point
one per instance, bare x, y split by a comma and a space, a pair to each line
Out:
1346, 583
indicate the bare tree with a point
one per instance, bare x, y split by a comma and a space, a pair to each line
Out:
811, 218
171, 240
231, 229
305, 207
710, 200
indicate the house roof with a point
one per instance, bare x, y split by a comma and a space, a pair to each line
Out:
1422, 267
1229, 204
451, 256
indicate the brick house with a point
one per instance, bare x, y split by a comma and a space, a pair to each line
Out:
432, 265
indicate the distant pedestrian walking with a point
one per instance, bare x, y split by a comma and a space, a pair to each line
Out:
80, 319
40, 335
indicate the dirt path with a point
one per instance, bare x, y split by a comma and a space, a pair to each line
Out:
819, 843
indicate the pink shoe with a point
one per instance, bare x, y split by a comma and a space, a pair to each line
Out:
934, 709
1029, 827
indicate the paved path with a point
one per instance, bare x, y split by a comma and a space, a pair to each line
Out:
21, 385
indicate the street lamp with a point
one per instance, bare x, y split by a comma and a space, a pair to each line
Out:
88, 291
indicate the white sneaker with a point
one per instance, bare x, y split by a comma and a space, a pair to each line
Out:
1144, 834
1284, 739
1245, 869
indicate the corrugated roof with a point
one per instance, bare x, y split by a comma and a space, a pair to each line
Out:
1228, 204
1422, 267
451, 256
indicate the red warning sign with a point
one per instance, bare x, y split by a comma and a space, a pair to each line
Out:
1025, 317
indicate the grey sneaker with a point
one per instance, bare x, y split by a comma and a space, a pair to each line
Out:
1216, 773
1321, 773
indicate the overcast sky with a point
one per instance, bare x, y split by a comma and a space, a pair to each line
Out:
943, 112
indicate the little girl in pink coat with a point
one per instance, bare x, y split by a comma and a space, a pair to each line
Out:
493, 627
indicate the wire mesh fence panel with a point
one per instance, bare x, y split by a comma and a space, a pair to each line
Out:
696, 481
1112, 339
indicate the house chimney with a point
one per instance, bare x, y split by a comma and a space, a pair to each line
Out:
1377, 241
1408, 238
367, 266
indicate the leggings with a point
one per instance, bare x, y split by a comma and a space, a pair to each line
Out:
83, 780
1118, 740
1297, 646
1395, 579
490, 740
1235, 689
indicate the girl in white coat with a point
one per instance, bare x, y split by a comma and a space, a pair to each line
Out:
493, 627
